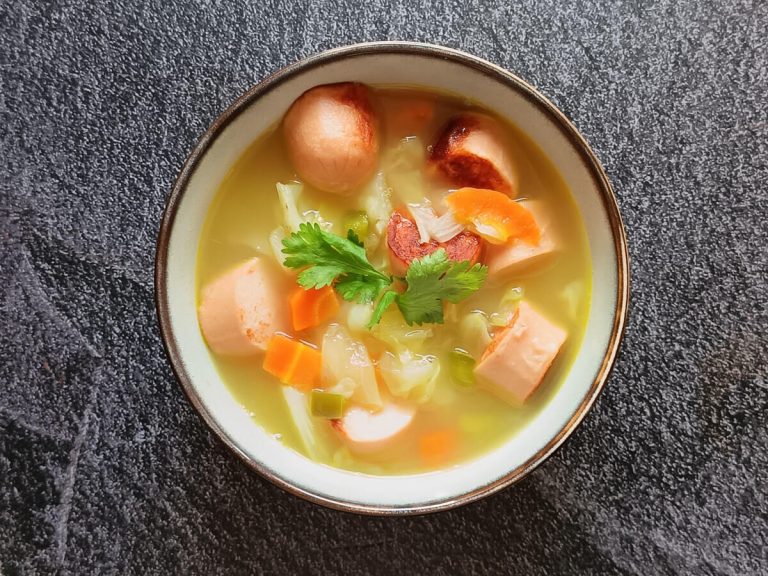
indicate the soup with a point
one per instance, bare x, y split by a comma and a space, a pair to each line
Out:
392, 281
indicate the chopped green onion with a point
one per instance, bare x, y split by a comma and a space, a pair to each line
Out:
326, 404
462, 367
358, 223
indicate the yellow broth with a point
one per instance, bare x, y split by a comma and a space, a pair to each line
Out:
246, 210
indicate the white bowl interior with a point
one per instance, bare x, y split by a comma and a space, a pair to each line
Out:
399, 491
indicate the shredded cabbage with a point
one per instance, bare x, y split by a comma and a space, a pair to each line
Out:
378, 206
345, 357
445, 227
473, 334
511, 297
423, 216
393, 331
410, 375
359, 316
346, 387
276, 243
433, 227
314, 217
312, 438
289, 200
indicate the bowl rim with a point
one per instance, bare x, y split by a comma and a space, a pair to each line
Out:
497, 73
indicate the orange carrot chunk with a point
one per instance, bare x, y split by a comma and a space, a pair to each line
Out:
436, 447
310, 308
493, 215
292, 362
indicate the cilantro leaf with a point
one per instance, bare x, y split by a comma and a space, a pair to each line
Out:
435, 278
354, 238
384, 302
326, 258
359, 288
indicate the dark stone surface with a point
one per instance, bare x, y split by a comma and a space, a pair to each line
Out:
105, 468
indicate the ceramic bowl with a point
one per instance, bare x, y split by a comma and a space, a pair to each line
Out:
402, 64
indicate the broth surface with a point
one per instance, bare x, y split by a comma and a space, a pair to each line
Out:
246, 210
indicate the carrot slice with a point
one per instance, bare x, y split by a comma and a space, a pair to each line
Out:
292, 362
311, 308
493, 215
436, 447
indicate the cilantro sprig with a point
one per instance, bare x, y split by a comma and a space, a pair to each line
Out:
432, 279
328, 259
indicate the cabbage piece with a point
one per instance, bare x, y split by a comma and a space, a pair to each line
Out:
345, 387
378, 206
358, 317
473, 333
345, 357
433, 227
423, 216
289, 204
446, 227
393, 331
313, 439
314, 217
511, 298
410, 375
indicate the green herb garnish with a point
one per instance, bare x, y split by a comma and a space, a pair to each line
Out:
327, 258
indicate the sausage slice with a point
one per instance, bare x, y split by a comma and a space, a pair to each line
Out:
405, 244
519, 256
365, 431
516, 360
470, 151
240, 310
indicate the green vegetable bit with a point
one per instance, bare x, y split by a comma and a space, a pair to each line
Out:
327, 258
326, 404
462, 367
434, 278
358, 223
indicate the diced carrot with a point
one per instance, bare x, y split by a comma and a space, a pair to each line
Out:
436, 447
311, 308
293, 362
306, 373
493, 215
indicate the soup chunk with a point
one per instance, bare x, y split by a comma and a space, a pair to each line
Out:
519, 256
366, 431
470, 151
241, 310
519, 356
332, 137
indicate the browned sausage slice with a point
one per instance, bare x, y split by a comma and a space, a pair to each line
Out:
470, 151
405, 245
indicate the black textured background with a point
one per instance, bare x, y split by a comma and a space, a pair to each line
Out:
105, 468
